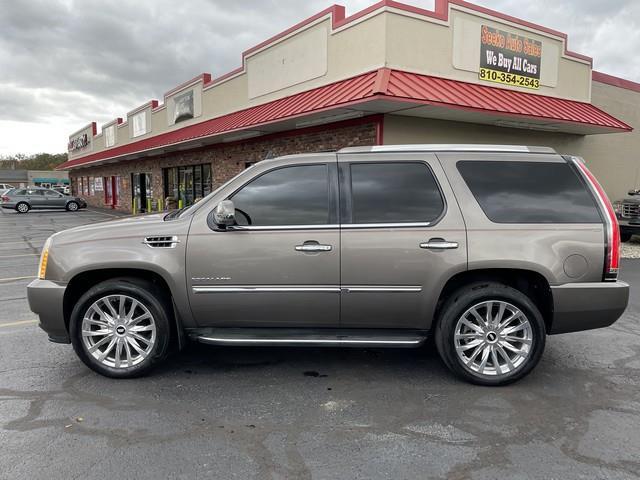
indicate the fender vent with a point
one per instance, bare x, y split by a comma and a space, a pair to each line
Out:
161, 242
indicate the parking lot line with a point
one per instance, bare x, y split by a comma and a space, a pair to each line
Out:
102, 213
15, 324
21, 255
15, 279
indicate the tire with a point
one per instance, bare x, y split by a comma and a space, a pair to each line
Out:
133, 361
625, 237
453, 333
22, 207
72, 206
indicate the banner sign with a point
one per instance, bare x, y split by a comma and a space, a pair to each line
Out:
78, 143
509, 59
98, 184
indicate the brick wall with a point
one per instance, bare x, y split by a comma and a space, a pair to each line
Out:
227, 160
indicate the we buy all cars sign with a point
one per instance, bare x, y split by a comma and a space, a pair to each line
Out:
509, 59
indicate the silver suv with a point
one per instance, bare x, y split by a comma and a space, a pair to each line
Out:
487, 249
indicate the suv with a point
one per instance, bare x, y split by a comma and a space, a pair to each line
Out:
487, 249
628, 213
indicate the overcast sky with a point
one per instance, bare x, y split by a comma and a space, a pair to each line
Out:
64, 63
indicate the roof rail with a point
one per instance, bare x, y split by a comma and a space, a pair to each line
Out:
448, 147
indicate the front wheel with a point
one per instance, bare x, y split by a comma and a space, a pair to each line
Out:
490, 334
120, 328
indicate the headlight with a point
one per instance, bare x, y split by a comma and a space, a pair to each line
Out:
44, 258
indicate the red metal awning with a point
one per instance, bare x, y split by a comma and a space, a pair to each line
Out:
383, 91
462, 95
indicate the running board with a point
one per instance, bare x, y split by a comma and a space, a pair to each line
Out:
308, 337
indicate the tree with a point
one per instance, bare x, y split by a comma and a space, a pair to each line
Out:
37, 161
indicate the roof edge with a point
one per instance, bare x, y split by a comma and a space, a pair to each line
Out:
619, 82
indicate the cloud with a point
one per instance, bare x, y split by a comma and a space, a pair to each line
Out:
64, 63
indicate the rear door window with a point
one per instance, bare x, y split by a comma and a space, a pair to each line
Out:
394, 192
529, 192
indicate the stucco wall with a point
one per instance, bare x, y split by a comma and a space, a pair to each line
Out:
317, 54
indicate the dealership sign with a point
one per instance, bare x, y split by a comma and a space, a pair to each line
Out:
78, 143
509, 59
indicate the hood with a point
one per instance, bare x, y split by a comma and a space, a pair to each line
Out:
138, 227
634, 200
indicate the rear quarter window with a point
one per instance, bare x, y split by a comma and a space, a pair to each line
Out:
529, 192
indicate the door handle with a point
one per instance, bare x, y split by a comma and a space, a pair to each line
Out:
313, 247
439, 244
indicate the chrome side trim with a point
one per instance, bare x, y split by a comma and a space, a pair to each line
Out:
344, 226
321, 288
242, 228
301, 341
408, 288
262, 289
350, 226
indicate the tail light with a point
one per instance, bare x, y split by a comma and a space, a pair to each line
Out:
4, 198
612, 250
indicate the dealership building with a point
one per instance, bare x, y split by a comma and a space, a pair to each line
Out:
390, 74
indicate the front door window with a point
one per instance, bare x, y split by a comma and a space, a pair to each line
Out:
287, 196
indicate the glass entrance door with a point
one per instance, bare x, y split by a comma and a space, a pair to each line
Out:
186, 185
141, 192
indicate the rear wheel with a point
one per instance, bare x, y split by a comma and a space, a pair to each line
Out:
625, 237
120, 328
490, 334
22, 207
72, 206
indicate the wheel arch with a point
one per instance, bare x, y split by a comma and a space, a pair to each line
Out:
529, 282
83, 281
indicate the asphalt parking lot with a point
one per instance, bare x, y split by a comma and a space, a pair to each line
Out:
306, 413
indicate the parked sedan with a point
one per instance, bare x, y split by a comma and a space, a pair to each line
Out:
24, 199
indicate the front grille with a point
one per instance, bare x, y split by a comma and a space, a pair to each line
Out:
161, 242
630, 210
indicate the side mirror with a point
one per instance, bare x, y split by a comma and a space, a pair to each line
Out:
224, 214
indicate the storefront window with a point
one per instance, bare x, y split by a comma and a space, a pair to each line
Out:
186, 185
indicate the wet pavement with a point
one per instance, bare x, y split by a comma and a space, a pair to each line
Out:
307, 413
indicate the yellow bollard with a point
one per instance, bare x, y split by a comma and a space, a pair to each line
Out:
179, 204
148, 205
133, 206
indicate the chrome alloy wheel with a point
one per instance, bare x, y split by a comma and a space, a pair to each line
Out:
493, 338
118, 331
23, 207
